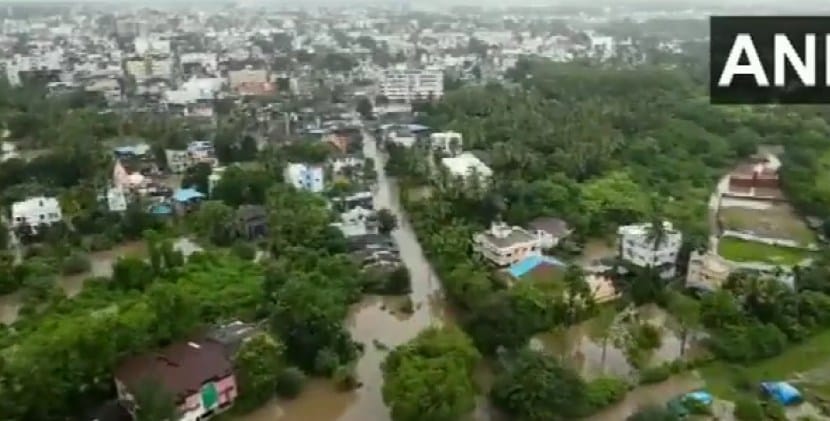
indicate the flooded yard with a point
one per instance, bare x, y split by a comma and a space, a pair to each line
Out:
582, 349
100, 266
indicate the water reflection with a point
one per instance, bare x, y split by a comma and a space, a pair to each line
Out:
576, 347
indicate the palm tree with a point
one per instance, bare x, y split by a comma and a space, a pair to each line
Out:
600, 328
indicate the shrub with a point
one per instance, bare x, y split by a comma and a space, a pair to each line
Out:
99, 242
747, 409
605, 391
244, 250
326, 362
655, 374
647, 336
345, 378
75, 263
290, 382
399, 281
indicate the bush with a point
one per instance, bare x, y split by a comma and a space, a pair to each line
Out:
747, 409
399, 281
75, 263
647, 336
345, 378
655, 374
326, 362
244, 250
773, 411
290, 382
605, 391
99, 242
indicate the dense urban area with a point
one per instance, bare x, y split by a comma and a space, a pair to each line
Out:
245, 213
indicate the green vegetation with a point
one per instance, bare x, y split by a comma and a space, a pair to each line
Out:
739, 250
430, 377
728, 381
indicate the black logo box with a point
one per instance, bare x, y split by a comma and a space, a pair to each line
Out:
762, 29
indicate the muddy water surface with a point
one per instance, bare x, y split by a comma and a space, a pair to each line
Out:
100, 266
377, 323
576, 347
656, 394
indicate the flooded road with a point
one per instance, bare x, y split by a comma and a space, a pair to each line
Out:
375, 322
655, 394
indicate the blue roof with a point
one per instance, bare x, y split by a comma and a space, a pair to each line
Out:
186, 195
531, 262
783, 392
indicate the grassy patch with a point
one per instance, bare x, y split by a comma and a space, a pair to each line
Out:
739, 250
778, 221
723, 380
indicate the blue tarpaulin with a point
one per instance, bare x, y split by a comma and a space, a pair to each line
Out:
700, 396
783, 392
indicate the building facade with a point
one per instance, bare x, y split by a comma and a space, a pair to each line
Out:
36, 211
305, 177
504, 245
407, 85
640, 245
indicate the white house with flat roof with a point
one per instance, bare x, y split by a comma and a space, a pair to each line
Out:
466, 165
36, 211
504, 245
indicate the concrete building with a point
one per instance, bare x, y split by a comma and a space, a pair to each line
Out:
467, 165
406, 85
149, 67
504, 245
305, 177
450, 143
639, 246
36, 211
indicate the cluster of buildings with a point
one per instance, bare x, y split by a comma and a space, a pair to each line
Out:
184, 61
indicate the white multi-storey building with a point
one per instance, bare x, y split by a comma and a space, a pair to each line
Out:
407, 85
36, 211
450, 143
504, 245
305, 177
42, 61
467, 165
639, 246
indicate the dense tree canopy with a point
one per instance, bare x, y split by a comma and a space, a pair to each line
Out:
430, 377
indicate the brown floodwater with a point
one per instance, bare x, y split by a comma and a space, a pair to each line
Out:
377, 323
100, 266
576, 347
655, 394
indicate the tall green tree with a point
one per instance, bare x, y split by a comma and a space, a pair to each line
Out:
258, 364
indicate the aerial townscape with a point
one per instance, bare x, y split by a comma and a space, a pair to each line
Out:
403, 212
